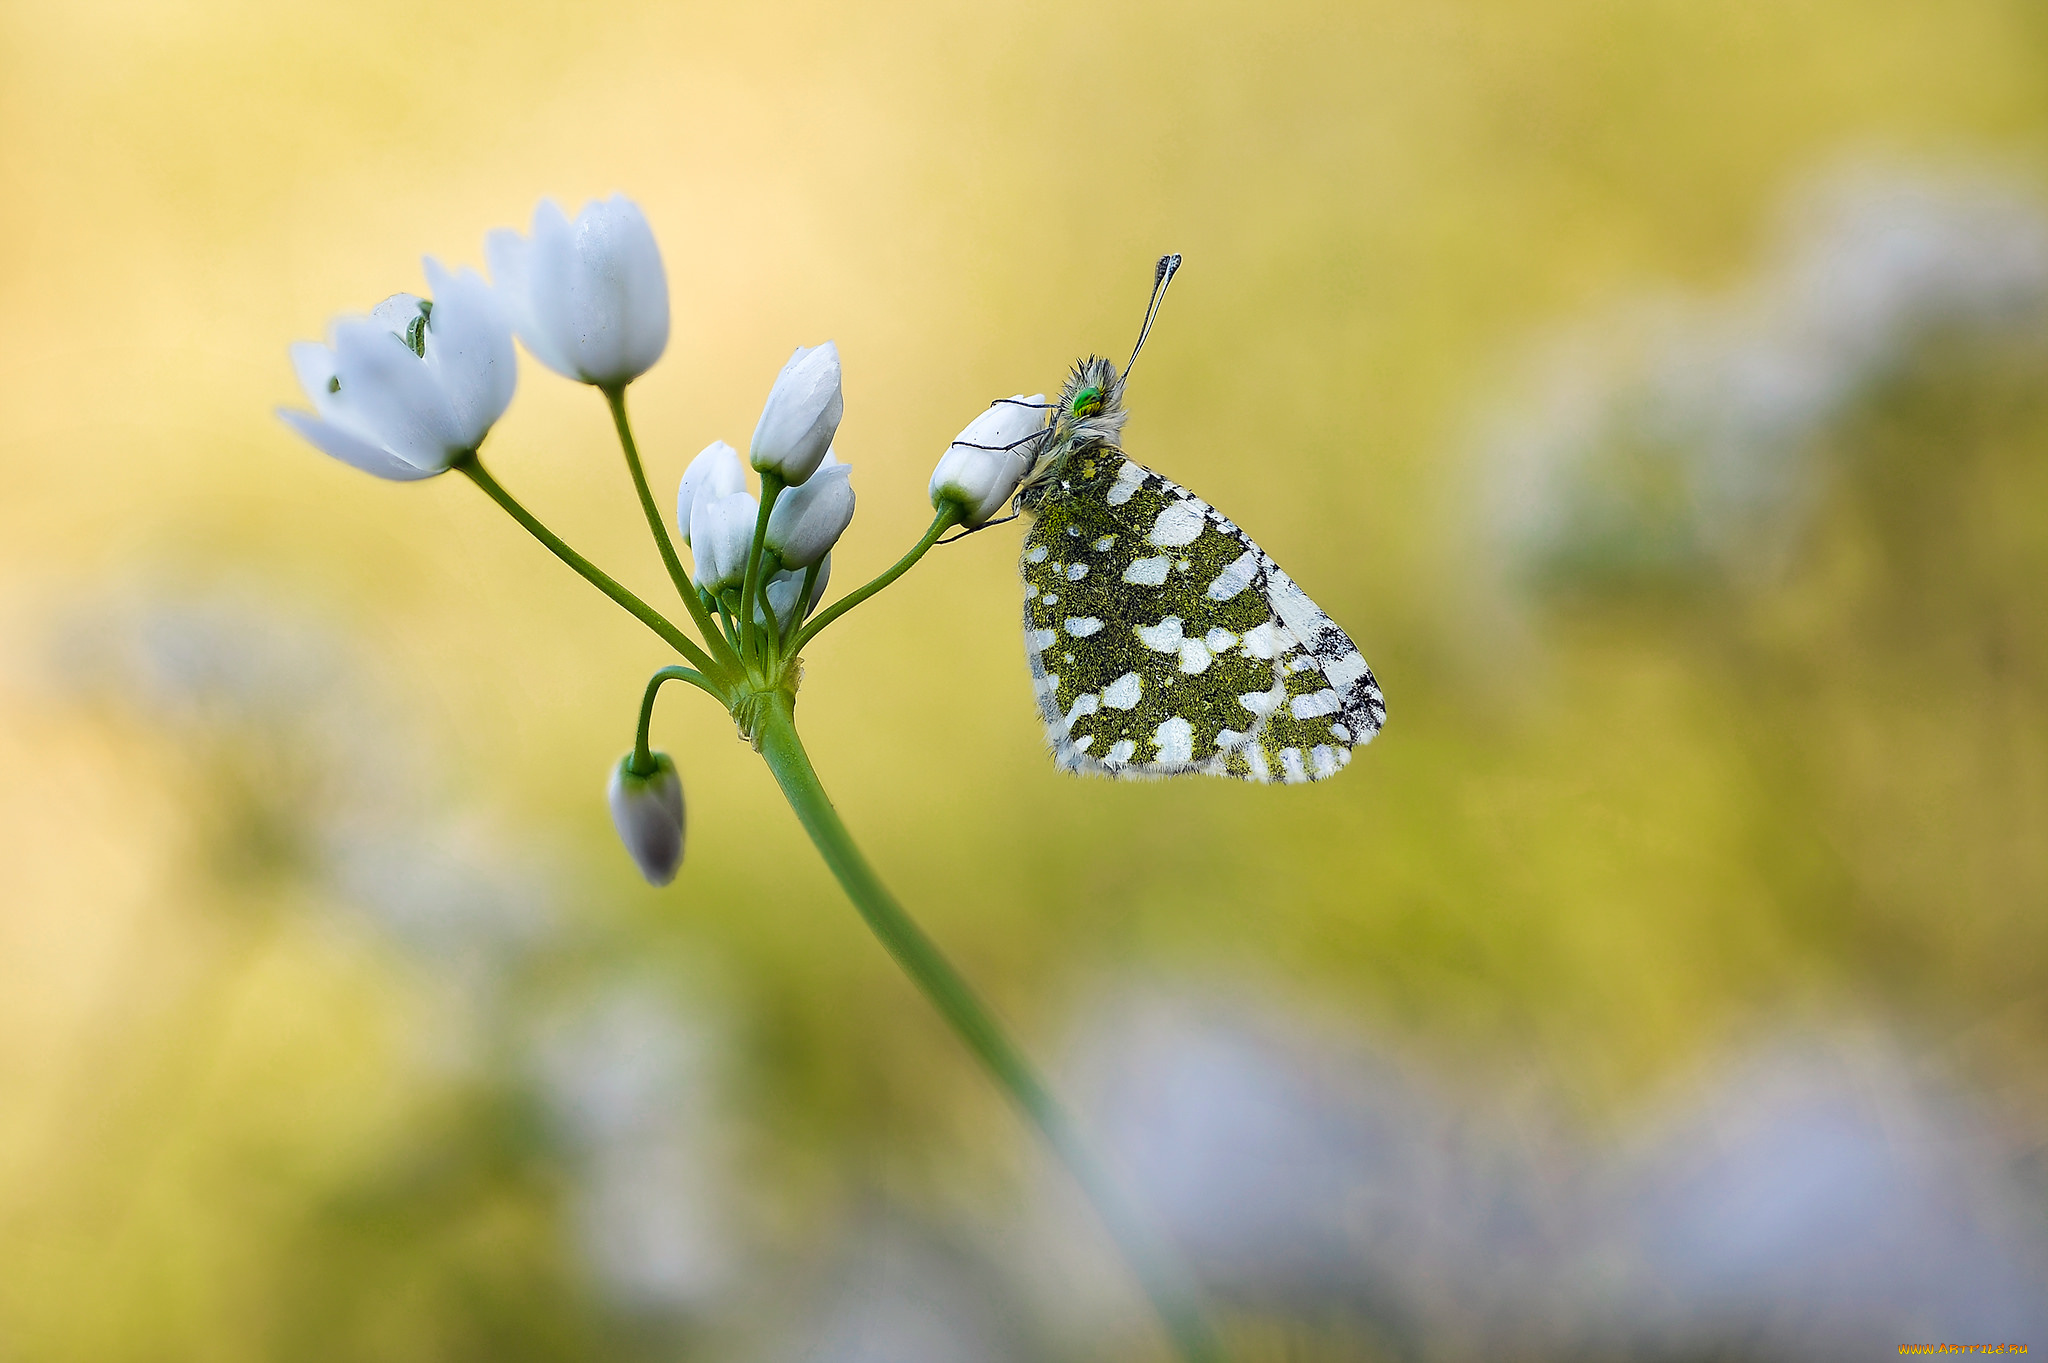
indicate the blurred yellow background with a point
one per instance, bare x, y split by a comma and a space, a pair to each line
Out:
1693, 894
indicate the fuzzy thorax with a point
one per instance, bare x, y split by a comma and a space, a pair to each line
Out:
1090, 415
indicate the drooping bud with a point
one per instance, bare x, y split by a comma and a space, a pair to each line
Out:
807, 521
715, 472
721, 534
648, 812
985, 462
801, 415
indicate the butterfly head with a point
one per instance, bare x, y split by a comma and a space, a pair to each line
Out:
1090, 413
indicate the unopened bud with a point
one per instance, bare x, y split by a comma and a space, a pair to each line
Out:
782, 590
801, 415
716, 472
648, 812
985, 462
721, 535
807, 521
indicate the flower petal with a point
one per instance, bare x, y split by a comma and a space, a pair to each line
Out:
388, 395
550, 280
469, 350
352, 449
636, 263
313, 363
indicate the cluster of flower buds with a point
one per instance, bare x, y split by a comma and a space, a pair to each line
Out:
412, 389
717, 517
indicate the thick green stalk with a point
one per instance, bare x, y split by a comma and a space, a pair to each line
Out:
1155, 1266
615, 398
948, 517
474, 470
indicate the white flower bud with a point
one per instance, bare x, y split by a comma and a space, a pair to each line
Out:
976, 473
801, 415
782, 589
414, 386
721, 534
716, 472
648, 812
807, 521
589, 297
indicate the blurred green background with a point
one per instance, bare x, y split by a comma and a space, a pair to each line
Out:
1655, 391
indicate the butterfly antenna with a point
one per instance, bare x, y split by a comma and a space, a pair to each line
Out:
1162, 275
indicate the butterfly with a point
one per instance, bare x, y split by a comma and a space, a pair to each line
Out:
1163, 640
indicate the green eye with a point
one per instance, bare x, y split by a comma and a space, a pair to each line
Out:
1086, 400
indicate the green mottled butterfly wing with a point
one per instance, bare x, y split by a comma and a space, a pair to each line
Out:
1163, 641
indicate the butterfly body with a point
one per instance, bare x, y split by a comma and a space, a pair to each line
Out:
1163, 641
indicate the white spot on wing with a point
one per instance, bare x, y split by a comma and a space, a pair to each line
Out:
1163, 637
1290, 762
1267, 639
1235, 577
1220, 640
1262, 702
1035, 554
1301, 615
1194, 657
1179, 523
1123, 693
1081, 626
1104, 543
1084, 704
1039, 640
1120, 752
1146, 572
1076, 571
1324, 760
1127, 480
1345, 670
1175, 740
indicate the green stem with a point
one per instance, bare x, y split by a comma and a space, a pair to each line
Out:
615, 398
796, 613
1156, 1267
771, 488
472, 468
948, 517
643, 760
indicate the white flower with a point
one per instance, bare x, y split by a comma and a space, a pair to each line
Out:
807, 521
407, 390
648, 812
716, 472
721, 535
977, 473
801, 415
782, 589
588, 297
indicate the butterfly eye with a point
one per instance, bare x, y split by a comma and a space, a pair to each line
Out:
1086, 401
